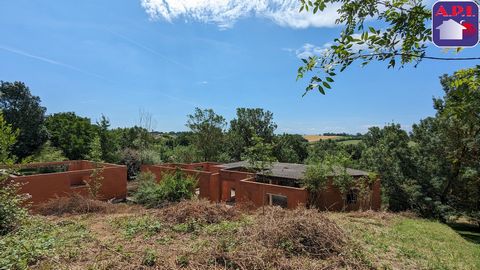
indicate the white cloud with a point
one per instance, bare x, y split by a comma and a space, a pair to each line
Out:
308, 50
225, 13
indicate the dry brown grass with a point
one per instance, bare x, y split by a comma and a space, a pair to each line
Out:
280, 239
75, 204
201, 211
316, 138
200, 235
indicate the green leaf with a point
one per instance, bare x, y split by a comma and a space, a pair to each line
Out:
327, 85
320, 89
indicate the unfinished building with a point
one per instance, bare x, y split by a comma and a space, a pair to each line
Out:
46, 181
233, 183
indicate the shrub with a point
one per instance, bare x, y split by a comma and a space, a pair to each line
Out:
47, 153
131, 158
150, 157
11, 211
173, 187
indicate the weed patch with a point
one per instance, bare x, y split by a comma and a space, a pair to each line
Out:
38, 239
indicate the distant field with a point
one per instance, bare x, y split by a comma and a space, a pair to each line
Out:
316, 138
350, 142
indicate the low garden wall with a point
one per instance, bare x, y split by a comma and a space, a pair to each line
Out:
46, 186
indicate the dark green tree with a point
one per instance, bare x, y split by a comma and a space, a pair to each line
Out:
249, 122
71, 133
292, 148
8, 137
23, 111
388, 154
319, 150
399, 34
207, 128
447, 149
108, 142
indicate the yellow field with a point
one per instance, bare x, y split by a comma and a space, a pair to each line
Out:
316, 138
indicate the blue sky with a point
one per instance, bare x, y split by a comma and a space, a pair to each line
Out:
119, 57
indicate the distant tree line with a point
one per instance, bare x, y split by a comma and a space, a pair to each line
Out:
433, 170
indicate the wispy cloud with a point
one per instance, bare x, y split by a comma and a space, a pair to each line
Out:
308, 50
49, 61
225, 13
146, 48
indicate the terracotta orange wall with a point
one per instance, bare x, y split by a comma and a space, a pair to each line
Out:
218, 185
202, 177
331, 199
256, 193
43, 187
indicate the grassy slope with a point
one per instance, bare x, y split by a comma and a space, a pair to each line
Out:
396, 242
140, 237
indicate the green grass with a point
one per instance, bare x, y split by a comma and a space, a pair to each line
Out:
134, 225
350, 142
96, 241
39, 238
404, 243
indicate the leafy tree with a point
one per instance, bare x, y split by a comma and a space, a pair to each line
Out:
249, 122
207, 128
260, 155
23, 111
11, 210
46, 153
131, 158
447, 149
108, 143
8, 138
319, 150
95, 153
332, 167
71, 133
183, 154
388, 154
290, 148
133, 137
399, 34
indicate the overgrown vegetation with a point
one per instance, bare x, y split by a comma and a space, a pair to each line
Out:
12, 213
75, 204
433, 170
173, 187
39, 239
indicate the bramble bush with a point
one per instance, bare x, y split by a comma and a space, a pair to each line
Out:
11, 211
174, 187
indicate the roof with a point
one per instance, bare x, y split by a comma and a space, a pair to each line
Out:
287, 170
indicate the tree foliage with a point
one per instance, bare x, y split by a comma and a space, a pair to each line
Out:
260, 155
249, 122
173, 187
394, 31
447, 150
292, 148
207, 128
71, 133
8, 138
46, 153
388, 153
108, 144
23, 111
